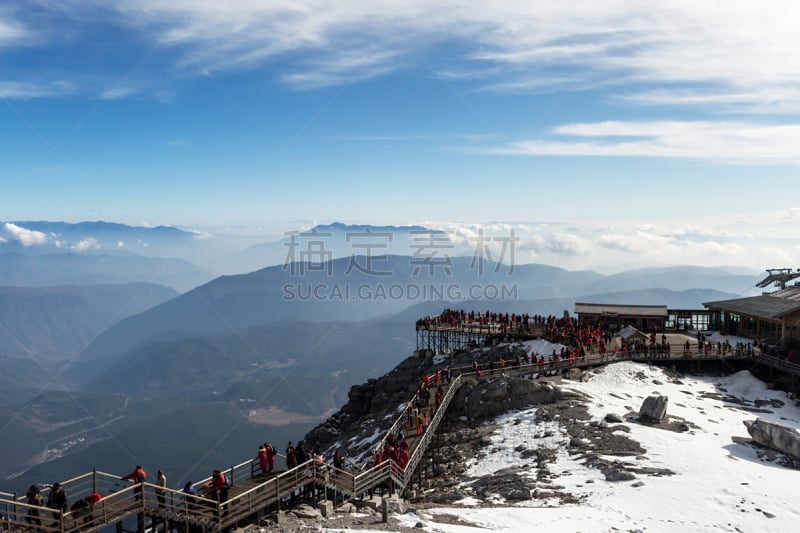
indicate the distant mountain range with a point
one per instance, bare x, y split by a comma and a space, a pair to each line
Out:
233, 303
40, 328
162, 369
106, 237
42, 253
55, 323
24, 270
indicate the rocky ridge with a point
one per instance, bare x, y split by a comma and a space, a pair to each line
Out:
465, 433
557, 422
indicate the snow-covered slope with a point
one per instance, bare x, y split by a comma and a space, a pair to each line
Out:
695, 478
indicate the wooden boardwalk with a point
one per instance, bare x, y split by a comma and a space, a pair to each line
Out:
252, 492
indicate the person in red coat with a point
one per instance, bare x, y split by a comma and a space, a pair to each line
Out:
263, 461
219, 486
138, 476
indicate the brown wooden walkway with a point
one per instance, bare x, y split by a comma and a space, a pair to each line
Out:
252, 492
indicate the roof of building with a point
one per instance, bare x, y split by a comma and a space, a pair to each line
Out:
629, 332
621, 310
789, 293
771, 306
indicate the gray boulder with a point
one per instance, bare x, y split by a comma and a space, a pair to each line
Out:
654, 408
775, 436
306, 511
498, 396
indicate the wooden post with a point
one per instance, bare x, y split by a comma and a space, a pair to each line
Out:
140, 516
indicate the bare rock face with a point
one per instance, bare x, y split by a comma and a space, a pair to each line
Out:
487, 399
775, 436
654, 408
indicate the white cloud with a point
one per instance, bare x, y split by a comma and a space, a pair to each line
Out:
89, 243
200, 235
120, 244
117, 92
730, 55
712, 52
779, 254
25, 236
622, 243
567, 244
20, 90
713, 242
3, 240
13, 32
722, 248
734, 142
789, 215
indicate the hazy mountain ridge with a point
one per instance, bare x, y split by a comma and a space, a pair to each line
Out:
276, 293
50, 324
66, 268
236, 344
314, 355
676, 278
38, 236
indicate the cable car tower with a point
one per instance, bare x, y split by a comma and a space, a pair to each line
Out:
779, 277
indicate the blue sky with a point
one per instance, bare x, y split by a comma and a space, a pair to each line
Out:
629, 119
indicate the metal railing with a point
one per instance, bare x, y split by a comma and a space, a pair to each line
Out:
122, 500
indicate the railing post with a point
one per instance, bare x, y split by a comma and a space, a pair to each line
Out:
231, 481
94, 480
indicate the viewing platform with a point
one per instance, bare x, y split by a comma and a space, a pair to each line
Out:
253, 494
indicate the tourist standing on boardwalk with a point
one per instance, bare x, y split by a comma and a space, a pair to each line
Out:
291, 458
188, 489
57, 500
219, 486
161, 481
300, 453
137, 476
338, 461
263, 461
271, 453
34, 497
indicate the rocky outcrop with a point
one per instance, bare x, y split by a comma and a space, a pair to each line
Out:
654, 408
510, 484
775, 436
486, 399
372, 406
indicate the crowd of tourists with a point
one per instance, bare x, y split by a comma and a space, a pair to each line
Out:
577, 342
504, 322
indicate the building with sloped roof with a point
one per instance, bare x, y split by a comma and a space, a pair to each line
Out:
612, 316
772, 317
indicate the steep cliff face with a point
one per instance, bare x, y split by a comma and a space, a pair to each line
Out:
375, 405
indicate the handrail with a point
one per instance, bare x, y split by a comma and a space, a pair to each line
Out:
781, 363
422, 445
121, 500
